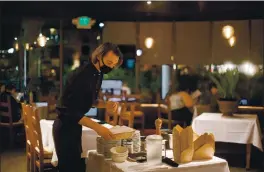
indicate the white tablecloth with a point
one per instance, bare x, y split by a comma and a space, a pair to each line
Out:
97, 163
88, 139
242, 129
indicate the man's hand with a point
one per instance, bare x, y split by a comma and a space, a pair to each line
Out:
112, 106
105, 133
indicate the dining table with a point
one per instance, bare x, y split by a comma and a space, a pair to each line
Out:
238, 128
97, 163
88, 139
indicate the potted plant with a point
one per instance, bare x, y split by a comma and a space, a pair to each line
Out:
226, 84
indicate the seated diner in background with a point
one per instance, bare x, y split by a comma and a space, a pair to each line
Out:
10, 91
181, 101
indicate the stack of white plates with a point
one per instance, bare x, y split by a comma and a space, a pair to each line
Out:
99, 146
103, 146
136, 141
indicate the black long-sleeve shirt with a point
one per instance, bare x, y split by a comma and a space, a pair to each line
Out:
81, 91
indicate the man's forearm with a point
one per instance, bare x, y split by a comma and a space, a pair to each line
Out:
87, 122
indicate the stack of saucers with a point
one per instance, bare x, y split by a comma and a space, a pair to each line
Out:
136, 141
99, 145
103, 146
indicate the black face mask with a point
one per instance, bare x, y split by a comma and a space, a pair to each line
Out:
105, 69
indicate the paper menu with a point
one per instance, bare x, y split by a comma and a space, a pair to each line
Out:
121, 129
196, 94
95, 120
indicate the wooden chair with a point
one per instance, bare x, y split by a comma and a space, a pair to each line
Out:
165, 109
119, 98
132, 113
42, 158
111, 118
125, 116
10, 125
139, 116
26, 111
52, 101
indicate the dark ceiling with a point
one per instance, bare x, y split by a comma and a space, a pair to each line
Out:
135, 10
13, 12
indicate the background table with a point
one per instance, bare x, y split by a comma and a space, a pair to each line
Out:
97, 163
88, 139
242, 129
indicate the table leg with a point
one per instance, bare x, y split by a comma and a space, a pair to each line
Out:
248, 156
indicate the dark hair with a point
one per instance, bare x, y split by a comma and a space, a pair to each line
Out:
10, 86
187, 83
103, 49
184, 83
211, 85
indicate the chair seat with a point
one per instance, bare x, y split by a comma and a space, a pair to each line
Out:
46, 163
14, 124
47, 154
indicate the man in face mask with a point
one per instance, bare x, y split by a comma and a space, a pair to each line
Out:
80, 94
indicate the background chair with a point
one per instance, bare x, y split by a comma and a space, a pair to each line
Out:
10, 125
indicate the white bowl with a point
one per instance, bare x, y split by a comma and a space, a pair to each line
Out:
119, 159
119, 153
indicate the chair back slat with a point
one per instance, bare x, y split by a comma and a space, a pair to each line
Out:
3, 104
27, 111
7, 114
109, 115
37, 136
126, 116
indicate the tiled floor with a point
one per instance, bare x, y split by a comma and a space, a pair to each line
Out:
15, 161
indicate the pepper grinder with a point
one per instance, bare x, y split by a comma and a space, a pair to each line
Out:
158, 123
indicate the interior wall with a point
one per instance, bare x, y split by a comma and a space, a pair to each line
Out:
161, 51
191, 43
221, 49
119, 32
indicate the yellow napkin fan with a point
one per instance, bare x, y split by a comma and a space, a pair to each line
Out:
188, 146
204, 147
182, 144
